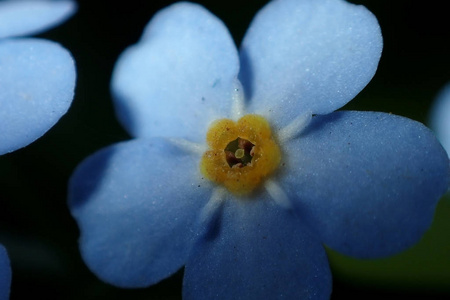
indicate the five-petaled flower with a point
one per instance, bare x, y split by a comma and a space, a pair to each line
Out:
37, 76
440, 117
240, 169
37, 81
5, 274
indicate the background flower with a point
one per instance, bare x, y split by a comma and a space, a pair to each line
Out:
440, 117
413, 67
5, 274
37, 81
37, 77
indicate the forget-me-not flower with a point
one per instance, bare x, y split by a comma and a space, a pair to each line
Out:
240, 169
37, 81
5, 274
440, 117
37, 76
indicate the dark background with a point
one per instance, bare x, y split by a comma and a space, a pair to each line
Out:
35, 223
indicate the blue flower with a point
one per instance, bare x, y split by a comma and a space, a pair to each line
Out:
440, 117
240, 169
37, 76
37, 80
5, 274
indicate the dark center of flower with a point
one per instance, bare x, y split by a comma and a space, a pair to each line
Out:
239, 153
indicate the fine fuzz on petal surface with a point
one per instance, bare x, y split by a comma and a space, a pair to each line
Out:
367, 182
38, 80
303, 55
257, 251
28, 17
179, 77
137, 204
5, 274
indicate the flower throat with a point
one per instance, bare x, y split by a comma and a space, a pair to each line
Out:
242, 154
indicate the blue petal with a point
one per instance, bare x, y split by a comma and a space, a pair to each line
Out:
5, 274
31, 17
440, 117
37, 86
260, 251
136, 204
180, 76
367, 182
308, 55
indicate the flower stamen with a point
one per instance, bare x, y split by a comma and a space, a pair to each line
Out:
239, 152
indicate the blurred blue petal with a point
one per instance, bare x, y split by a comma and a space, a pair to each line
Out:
261, 252
303, 55
367, 182
136, 204
37, 86
33, 16
179, 77
5, 274
440, 117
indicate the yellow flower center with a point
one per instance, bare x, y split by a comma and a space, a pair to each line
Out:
242, 154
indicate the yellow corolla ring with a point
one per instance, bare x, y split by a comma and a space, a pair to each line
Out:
242, 154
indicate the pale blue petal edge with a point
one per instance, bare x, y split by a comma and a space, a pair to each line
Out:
440, 117
179, 77
23, 17
5, 274
37, 87
256, 250
137, 204
308, 56
366, 182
